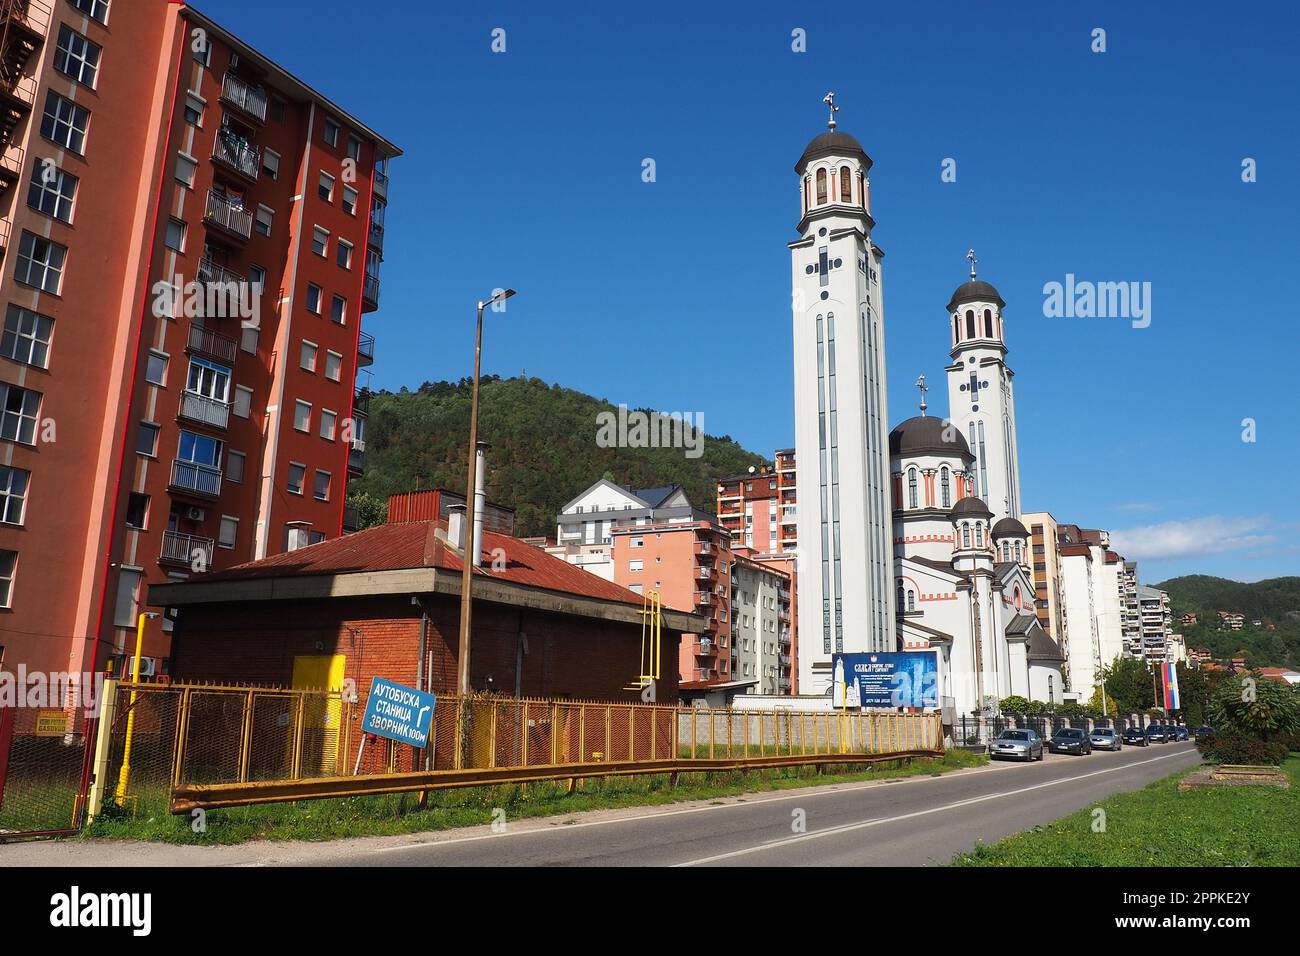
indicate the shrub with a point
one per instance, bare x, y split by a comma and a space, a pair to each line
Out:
1242, 748
1266, 709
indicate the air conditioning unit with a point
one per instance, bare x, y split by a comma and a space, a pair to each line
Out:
358, 444
195, 514
148, 666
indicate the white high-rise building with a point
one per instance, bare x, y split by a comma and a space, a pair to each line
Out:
841, 420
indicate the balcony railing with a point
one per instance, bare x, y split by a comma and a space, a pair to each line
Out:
178, 548
366, 349
356, 460
250, 99
705, 648
377, 234
351, 518
381, 184
209, 271
200, 479
705, 597
205, 410
219, 346
370, 291
239, 156
361, 403
228, 215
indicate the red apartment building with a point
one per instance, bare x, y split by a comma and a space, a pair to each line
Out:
190, 238
758, 509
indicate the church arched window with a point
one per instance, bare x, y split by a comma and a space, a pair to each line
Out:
911, 601
821, 185
846, 184
965, 535
1019, 554
970, 323
979, 535
944, 487
911, 487
901, 605
988, 324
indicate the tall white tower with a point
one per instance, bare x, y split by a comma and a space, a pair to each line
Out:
841, 420
981, 395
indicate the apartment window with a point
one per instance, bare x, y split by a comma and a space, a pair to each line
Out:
208, 379
155, 370
278, 109
194, 106
77, 57
326, 187
199, 449
13, 494
95, 9
235, 462
354, 149
40, 263
175, 235
327, 422
320, 240
186, 169
243, 401
137, 511
322, 485
344, 255
146, 440
637, 565
257, 278
203, 52
263, 220
314, 296
307, 358
27, 337
8, 564
64, 123
350, 197
228, 533
339, 309
302, 415
248, 336
332, 131
128, 585
271, 163
18, 410
636, 542
52, 191
297, 475
333, 366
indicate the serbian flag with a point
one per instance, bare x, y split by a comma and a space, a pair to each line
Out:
1171, 686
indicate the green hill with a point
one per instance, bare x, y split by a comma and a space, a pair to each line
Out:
1274, 602
544, 450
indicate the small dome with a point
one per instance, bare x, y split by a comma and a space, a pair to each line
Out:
832, 141
928, 435
971, 507
974, 291
1009, 528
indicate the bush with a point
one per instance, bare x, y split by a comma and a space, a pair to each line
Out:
1241, 748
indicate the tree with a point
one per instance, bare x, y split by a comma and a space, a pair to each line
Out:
1194, 693
1255, 707
1094, 705
1014, 704
1128, 684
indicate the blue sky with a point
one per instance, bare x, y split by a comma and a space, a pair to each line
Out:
524, 168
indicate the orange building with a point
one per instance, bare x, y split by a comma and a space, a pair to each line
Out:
190, 238
758, 508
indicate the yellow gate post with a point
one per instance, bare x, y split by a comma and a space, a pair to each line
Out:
124, 777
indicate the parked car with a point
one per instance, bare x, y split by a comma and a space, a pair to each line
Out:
1070, 740
1136, 736
1024, 744
1182, 732
1200, 732
1156, 734
1106, 738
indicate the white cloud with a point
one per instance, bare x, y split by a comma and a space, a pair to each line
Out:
1195, 536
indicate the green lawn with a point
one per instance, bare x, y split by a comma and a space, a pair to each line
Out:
472, 806
1163, 826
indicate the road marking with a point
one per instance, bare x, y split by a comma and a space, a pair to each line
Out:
845, 828
803, 793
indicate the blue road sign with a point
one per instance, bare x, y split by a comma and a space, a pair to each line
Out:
399, 713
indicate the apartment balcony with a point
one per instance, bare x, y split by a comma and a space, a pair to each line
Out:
705, 574
703, 547
365, 350
228, 216
783, 683
183, 549
213, 344
370, 293
376, 239
206, 411
211, 272
361, 402
705, 599
248, 99
357, 459
236, 155
197, 479
351, 519
706, 648
704, 674
381, 184
4, 236
12, 159
16, 101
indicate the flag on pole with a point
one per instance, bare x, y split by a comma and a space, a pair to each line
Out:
1172, 701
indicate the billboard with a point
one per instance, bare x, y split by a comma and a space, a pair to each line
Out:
886, 681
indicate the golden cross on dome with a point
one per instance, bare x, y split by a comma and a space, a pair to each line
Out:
920, 383
970, 254
829, 100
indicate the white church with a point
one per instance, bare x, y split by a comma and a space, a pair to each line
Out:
910, 539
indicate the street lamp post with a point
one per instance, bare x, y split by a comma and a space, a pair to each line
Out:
468, 560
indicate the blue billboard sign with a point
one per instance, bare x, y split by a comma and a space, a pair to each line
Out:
886, 681
399, 713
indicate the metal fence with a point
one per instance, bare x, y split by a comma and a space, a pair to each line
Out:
978, 731
44, 771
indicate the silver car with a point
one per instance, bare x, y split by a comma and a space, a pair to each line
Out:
1020, 744
1105, 738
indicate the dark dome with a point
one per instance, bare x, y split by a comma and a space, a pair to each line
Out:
971, 507
832, 141
924, 435
974, 291
1009, 528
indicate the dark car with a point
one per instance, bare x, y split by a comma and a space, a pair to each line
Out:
1156, 734
1135, 736
1070, 740
1205, 732
1182, 732
1106, 738
1023, 744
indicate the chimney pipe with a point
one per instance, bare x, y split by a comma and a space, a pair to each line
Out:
456, 526
480, 499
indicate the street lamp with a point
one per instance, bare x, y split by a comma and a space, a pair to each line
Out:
467, 534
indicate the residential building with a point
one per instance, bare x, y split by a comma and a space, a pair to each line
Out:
1091, 588
1229, 620
223, 223
1130, 614
591, 517
1049, 601
758, 508
1155, 622
760, 617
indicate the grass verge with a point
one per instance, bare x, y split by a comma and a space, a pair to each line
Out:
1163, 826
473, 806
